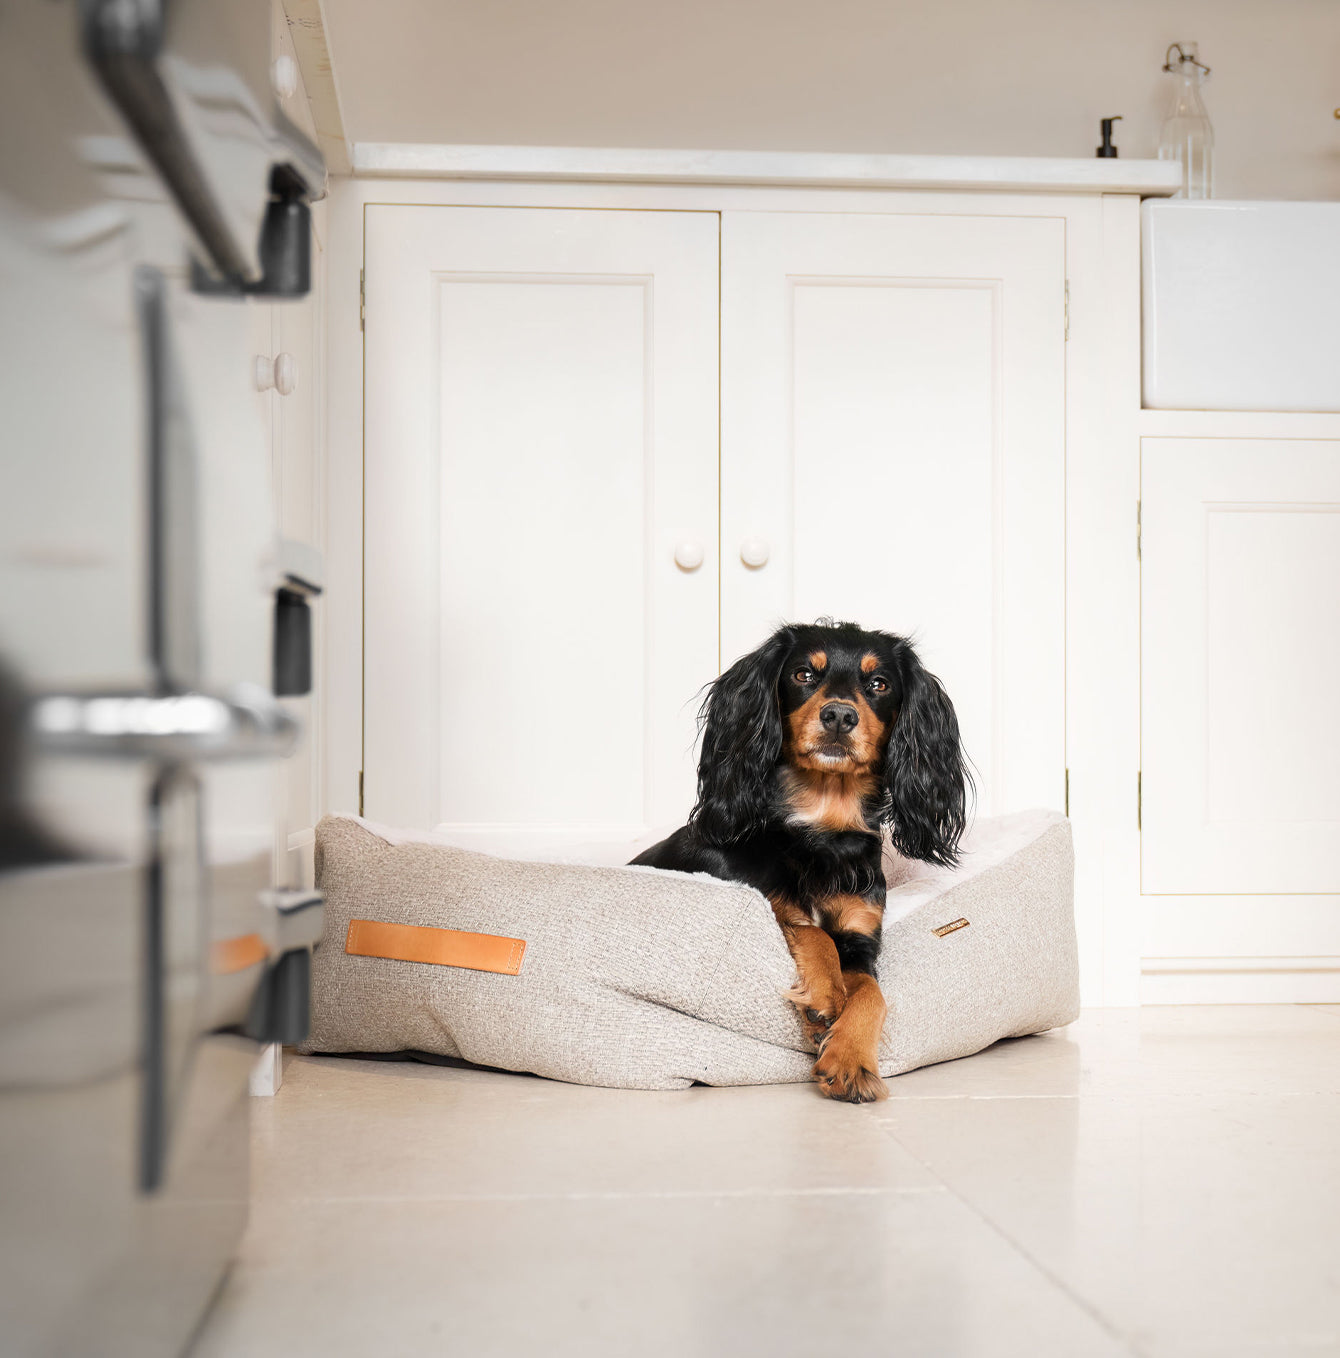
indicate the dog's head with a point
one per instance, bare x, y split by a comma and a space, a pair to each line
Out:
834, 699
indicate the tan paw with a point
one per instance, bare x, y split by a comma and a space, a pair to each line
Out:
819, 1009
842, 1074
817, 1027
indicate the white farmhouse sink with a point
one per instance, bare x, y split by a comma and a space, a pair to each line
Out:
1241, 305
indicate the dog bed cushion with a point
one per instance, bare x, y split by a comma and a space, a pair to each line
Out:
644, 979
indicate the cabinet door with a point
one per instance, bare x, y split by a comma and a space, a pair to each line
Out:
541, 435
893, 403
1240, 666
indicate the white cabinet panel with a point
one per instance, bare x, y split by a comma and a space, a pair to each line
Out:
541, 435
544, 480
893, 402
1240, 665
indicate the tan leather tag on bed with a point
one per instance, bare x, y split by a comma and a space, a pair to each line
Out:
440, 947
229, 955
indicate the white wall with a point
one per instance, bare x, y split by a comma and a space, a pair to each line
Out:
1006, 77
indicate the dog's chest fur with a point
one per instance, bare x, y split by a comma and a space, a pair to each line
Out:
827, 801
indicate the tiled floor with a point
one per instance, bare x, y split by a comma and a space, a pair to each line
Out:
1161, 1182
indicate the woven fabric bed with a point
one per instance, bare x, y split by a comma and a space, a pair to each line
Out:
642, 979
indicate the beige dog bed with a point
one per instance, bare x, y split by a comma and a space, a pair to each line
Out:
643, 979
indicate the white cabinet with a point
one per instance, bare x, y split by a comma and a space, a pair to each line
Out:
893, 427
929, 420
1240, 665
541, 441
551, 522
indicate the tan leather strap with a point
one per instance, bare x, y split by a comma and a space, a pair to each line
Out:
441, 947
229, 955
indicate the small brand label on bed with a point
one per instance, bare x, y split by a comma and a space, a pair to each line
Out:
950, 927
437, 947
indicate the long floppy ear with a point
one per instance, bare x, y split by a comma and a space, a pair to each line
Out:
742, 741
925, 773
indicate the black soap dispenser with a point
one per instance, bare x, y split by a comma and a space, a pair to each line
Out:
1107, 151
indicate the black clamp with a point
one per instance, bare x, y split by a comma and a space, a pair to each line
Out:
300, 581
281, 1005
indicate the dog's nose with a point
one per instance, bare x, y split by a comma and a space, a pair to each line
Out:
838, 718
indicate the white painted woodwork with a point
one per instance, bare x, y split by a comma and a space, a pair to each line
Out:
268, 1072
1240, 667
541, 434
893, 425
1016, 174
1237, 949
1103, 423
1190, 947
1274, 979
316, 102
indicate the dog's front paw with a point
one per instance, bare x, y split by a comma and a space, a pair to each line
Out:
842, 1073
819, 1008
817, 1026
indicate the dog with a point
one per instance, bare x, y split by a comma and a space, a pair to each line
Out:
811, 745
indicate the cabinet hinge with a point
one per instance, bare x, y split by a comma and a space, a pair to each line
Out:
1067, 308
1139, 530
1139, 800
360, 792
362, 305
1067, 792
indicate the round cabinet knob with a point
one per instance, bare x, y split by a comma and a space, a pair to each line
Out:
286, 374
284, 75
264, 371
754, 553
689, 555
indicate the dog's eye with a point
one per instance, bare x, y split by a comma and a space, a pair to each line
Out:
803, 675
878, 685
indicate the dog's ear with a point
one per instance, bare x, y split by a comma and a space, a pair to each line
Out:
925, 773
742, 741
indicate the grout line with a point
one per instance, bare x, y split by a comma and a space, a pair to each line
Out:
1100, 1095
896, 1099
1107, 1326
628, 1195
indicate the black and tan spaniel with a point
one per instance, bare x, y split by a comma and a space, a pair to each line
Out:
810, 745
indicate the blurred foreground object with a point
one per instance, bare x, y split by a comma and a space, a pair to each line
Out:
147, 184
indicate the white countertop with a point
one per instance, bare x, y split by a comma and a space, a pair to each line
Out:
1007, 174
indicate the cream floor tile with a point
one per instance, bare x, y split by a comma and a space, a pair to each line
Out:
365, 1129
1212, 1049
803, 1275
1196, 1224
1161, 1182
